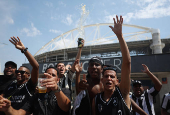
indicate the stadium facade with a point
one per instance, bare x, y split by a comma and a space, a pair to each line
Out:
155, 53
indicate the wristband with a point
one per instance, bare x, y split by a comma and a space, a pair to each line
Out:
57, 90
24, 50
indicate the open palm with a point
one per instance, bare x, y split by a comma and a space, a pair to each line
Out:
145, 68
17, 42
117, 29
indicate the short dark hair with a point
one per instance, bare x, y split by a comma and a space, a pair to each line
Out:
109, 65
58, 63
26, 68
109, 68
51, 67
12, 63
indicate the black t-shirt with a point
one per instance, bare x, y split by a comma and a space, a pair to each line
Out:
19, 95
43, 104
115, 106
4, 82
82, 105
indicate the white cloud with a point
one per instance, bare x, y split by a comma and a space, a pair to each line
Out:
55, 17
49, 4
128, 17
153, 9
62, 45
33, 31
113, 3
9, 20
130, 1
68, 20
109, 18
62, 3
6, 12
101, 4
142, 3
55, 31
106, 12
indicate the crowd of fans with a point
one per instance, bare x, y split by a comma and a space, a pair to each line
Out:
98, 93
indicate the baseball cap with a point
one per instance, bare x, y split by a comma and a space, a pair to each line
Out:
97, 60
136, 82
12, 63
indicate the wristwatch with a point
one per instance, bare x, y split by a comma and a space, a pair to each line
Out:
57, 90
24, 50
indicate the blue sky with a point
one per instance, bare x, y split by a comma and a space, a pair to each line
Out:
36, 22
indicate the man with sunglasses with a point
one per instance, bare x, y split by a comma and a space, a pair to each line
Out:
9, 75
54, 102
21, 89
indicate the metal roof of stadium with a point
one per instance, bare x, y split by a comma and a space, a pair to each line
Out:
142, 47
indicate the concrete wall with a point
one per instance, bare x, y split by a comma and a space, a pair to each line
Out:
165, 87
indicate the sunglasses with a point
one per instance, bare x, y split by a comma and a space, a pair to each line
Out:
22, 72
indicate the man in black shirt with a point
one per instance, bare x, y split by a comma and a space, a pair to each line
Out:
115, 98
93, 83
21, 89
54, 102
9, 75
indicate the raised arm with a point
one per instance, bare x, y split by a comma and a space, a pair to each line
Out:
155, 80
126, 64
137, 109
78, 56
62, 100
78, 69
35, 66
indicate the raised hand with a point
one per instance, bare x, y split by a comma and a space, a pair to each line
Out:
117, 29
78, 67
51, 82
83, 83
68, 67
17, 42
82, 43
4, 104
145, 68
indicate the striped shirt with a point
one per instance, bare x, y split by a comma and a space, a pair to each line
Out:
65, 81
82, 104
166, 102
66, 84
145, 101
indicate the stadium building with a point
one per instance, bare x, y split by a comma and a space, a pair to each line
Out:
144, 44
